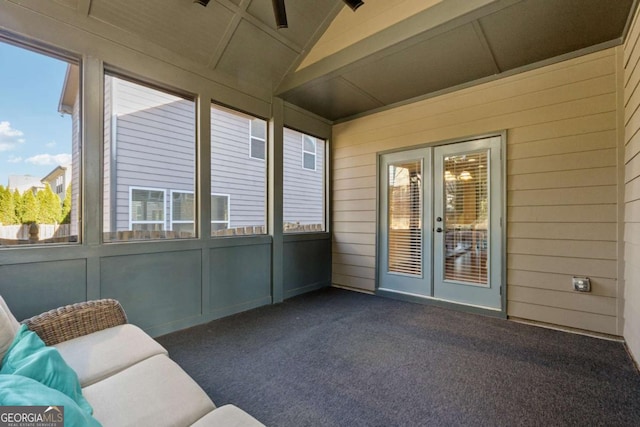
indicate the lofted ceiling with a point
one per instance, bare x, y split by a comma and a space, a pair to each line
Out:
385, 53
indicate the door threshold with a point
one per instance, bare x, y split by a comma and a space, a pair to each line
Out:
427, 300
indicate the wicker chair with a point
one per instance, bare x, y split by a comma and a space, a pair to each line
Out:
76, 320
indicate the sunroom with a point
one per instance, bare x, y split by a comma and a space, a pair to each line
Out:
211, 159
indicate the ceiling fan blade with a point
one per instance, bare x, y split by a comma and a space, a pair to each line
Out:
354, 4
281, 14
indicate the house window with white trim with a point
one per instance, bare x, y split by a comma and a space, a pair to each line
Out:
183, 212
258, 144
220, 213
147, 209
308, 152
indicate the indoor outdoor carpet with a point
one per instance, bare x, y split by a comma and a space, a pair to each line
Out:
340, 358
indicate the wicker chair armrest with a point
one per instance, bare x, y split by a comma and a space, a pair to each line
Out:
75, 320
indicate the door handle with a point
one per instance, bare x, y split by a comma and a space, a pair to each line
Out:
439, 230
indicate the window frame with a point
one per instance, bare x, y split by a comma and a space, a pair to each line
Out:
163, 222
323, 170
78, 220
314, 154
228, 221
173, 221
247, 222
252, 138
110, 230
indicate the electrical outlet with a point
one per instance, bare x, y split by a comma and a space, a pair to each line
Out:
581, 284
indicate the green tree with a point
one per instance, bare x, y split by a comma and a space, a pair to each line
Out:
7, 207
29, 208
49, 206
65, 217
17, 203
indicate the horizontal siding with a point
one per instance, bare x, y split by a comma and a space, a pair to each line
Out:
562, 164
155, 144
106, 168
234, 172
632, 189
156, 149
303, 191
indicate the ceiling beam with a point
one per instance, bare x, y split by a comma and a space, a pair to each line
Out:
84, 7
422, 26
482, 38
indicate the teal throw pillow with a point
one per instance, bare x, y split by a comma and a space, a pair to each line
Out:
28, 356
16, 390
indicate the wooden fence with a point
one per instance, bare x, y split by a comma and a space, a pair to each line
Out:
32, 233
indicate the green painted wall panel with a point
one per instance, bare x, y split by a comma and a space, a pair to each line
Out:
155, 288
307, 266
33, 288
240, 277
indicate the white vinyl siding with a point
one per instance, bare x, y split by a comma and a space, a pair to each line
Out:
151, 138
303, 188
76, 166
236, 174
632, 189
562, 206
155, 148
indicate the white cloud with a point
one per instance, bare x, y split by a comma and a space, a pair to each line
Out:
49, 159
14, 159
9, 137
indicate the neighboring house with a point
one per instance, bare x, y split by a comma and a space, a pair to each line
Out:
59, 179
150, 168
23, 183
70, 104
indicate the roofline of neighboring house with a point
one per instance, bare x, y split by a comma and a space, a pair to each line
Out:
69, 89
56, 169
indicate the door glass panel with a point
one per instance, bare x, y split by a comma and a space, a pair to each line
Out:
405, 218
466, 218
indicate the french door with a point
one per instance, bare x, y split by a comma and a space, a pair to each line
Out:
440, 223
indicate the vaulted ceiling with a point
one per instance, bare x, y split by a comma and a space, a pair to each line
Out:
338, 63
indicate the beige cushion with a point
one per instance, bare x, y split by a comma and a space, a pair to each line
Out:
155, 392
8, 327
104, 353
228, 416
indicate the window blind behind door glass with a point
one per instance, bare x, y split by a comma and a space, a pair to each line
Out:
467, 213
405, 218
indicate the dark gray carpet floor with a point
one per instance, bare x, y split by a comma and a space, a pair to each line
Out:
339, 358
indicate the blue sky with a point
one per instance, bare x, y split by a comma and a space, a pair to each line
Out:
34, 136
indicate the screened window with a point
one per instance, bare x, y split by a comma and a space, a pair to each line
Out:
147, 209
220, 212
149, 150
182, 211
304, 182
39, 136
308, 152
238, 182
